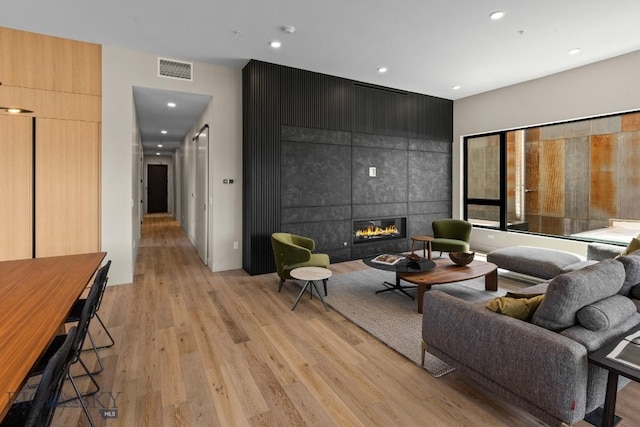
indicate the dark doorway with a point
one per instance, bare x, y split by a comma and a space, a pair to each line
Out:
156, 188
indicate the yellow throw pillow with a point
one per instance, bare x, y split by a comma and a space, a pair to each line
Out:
634, 245
519, 308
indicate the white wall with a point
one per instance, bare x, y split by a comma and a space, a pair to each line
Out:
158, 160
188, 217
606, 87
121, 70
136, 181
225, 162
177, 184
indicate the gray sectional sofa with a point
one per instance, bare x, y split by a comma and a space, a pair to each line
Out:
540, 365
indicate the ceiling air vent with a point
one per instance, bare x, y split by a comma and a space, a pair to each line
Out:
175, 69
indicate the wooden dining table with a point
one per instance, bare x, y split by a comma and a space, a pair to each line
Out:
36, 296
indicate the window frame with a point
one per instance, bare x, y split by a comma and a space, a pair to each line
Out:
502, 202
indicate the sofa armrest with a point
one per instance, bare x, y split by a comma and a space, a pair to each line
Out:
533, 363
600, 251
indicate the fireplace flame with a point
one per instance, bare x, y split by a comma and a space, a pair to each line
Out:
372, 231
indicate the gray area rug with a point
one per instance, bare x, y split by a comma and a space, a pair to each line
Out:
392, 317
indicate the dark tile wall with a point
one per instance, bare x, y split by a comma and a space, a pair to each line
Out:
326, 185
314, 174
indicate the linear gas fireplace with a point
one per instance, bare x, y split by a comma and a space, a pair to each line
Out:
378, 229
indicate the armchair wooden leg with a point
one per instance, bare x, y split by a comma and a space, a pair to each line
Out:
281, 283
324, 282
424, 350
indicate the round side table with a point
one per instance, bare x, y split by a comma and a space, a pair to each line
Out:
310, 275
426, 244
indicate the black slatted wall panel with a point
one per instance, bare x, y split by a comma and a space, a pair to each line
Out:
443, 120
261, 164
315, 100
380, 111
313, 107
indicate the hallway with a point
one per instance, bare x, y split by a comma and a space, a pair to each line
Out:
196, 348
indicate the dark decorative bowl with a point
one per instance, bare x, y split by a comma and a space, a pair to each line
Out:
461, 258
413, 257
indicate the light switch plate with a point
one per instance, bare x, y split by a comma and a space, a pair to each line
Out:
372, 171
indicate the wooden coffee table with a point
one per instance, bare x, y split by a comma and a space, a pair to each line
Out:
447, 271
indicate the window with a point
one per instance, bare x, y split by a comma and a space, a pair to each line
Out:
578, 179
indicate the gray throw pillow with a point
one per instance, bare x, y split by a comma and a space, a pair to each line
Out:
632, 272
606, 313
569, 292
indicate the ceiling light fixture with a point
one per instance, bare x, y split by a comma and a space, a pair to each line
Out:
171, 104
289, 29
15, 110
382, 69
159, 145
574, 51
455, 87
157, 154
275, 44
164, 132
498, 14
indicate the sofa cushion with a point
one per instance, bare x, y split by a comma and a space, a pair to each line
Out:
533, 261
569, 292
606, 313
632, 272
578, 265
517, 307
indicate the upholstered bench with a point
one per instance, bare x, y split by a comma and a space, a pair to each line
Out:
536, 262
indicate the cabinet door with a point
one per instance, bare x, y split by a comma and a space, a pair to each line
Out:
16, 189
67, 187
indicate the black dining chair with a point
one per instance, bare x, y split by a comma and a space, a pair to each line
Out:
76, 311
82, 329
39, 411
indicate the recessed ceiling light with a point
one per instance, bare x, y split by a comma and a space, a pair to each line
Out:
574, 51
164, 132
159, 145
157, 154
171, 104
275, 44
498, 14
289, 29
455, 87
382, 70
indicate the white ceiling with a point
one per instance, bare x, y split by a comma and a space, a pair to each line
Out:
427, 45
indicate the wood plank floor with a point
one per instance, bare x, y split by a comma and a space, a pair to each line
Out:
196, 348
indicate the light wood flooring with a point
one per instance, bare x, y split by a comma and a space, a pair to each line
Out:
196, 348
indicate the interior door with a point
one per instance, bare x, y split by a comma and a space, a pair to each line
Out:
157, 198
202, 191
16, 191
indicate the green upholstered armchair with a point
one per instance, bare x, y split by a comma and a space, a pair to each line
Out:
451, 235
292, 251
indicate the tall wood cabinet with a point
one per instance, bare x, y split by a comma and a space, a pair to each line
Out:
16, 204
50, 167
